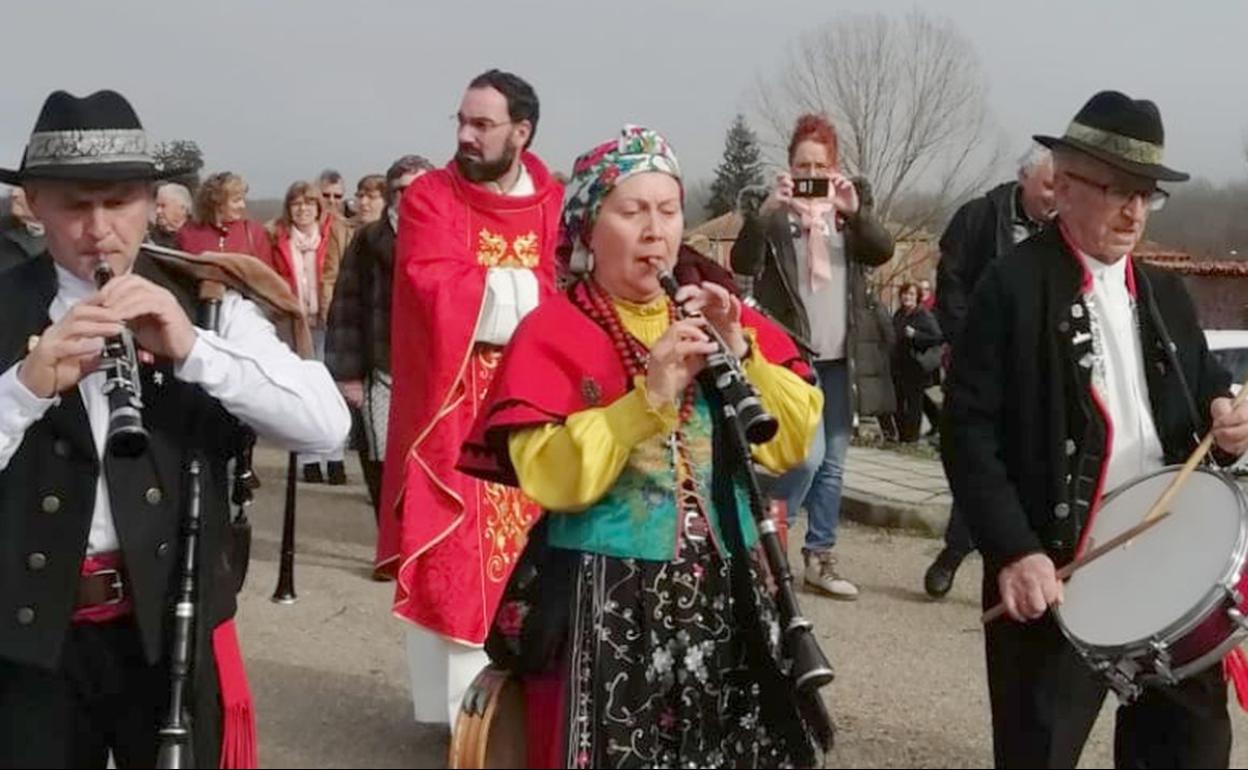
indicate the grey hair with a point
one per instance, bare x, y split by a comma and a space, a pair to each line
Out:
180, 192
1036, 155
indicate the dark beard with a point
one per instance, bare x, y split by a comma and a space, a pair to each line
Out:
478, 171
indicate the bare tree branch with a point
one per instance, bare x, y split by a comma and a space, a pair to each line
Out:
909, 99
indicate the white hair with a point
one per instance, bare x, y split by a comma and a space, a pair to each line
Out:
180, 192
1036, 155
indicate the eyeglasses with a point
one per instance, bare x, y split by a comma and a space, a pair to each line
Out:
332, 196
479, 125
1154, 199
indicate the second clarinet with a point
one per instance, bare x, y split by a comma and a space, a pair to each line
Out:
122, 387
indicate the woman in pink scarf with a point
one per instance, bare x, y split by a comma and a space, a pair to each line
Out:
806, 248
307, 251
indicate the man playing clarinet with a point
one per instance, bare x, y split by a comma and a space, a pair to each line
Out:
89, 536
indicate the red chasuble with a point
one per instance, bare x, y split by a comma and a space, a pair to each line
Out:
451, 540
561, 362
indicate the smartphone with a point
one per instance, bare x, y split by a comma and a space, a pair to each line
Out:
810, 187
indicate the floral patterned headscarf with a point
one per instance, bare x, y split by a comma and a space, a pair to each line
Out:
595, 174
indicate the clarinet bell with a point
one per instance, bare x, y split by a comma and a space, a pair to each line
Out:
811, 669
126, 435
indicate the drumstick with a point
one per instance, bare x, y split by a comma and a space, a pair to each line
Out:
1156, 513
1065, 572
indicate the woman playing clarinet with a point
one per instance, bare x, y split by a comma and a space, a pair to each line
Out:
639, 610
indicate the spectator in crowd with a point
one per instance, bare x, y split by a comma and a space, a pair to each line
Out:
370, 199
806, 256
931, 410
221, 222
357, 342
333, 193
927, 297
21, 233
173, 210
307, 250
982, 231
916, 355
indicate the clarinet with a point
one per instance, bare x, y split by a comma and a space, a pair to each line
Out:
126, 435
175, 732
751, 424
725, 370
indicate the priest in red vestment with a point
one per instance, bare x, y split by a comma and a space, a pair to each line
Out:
475, 254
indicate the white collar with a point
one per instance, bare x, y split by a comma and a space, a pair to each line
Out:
71, 287
1111, 273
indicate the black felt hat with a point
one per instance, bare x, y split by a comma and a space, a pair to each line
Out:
94, 138
1125, 133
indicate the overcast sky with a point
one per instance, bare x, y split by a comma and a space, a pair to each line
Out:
278, 89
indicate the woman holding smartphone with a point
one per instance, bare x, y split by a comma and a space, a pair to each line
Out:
806, 248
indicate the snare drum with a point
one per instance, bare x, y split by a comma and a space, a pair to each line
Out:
1170, 603
489, 730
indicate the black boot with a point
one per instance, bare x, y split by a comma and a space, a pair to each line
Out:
939, 577
312, 473
337, 473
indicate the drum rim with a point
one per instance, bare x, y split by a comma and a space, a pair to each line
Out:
1213, 599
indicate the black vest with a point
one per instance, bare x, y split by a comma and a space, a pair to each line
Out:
47, 491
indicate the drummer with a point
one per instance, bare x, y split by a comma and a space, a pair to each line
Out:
1064, 391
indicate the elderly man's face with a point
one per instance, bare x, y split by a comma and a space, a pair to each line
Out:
1103, 208
333, 194
1038, 187
85, 222
171, 212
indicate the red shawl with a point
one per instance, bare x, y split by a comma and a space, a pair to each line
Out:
559, 363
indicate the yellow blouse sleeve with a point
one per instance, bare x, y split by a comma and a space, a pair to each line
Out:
795, 403
569, 467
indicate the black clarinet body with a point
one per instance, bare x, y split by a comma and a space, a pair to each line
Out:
749, 423
175, 732
126, 435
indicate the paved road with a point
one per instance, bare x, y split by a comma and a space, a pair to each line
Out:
331, 683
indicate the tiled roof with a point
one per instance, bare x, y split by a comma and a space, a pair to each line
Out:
1232, 268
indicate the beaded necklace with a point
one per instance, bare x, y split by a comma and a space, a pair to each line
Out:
593, 300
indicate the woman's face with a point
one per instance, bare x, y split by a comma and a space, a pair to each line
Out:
640, 223
910, 298
234, 208
811, 159
303, 212
369, 205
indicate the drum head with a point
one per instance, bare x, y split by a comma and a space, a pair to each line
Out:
1166, 577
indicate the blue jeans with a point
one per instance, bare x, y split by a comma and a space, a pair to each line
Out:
816, 483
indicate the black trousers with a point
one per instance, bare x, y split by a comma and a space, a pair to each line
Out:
370, 466
932, 411
1045, 700
957, 535
909, 392
104, 697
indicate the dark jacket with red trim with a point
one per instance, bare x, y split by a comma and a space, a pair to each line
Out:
1026, 446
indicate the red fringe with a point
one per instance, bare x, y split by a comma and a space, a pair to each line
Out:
238, 721
1235, 667
544, 705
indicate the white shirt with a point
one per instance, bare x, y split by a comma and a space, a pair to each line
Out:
1119, 375
510, 292
246, 367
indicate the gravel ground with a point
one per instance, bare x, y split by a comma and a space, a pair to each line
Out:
331, 684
